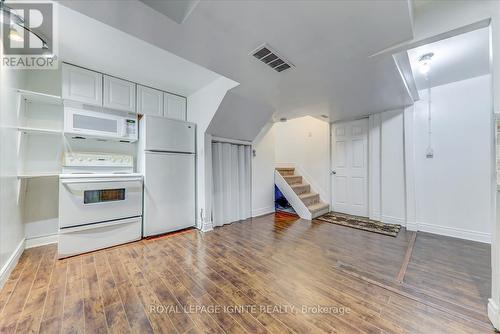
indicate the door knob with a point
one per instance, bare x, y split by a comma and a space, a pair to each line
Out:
334, 172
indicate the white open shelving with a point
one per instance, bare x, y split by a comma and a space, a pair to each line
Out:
36, 175
40, 126
31, 130
31, 96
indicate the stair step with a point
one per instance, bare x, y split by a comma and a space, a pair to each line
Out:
309, 198
293, 179
285, 171
317, 207
301, 188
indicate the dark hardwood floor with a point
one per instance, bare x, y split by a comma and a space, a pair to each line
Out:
263, 275
453, 269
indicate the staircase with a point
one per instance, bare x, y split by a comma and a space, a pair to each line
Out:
306, 203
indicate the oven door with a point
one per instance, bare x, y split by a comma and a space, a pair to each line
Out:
90, 200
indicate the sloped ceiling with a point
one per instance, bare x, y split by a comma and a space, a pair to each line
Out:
239, 117
328, 42
106, 49
456, 58
176, 10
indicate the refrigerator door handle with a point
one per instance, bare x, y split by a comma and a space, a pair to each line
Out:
167, 152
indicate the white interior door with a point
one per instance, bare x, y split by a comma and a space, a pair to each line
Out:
349, 175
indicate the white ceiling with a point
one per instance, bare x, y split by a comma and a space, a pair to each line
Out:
456, 58
176, 10
237, 117
328, 42
111, 51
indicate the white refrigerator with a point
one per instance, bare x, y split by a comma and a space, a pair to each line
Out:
167, 160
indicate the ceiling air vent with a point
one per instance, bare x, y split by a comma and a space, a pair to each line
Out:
269, 57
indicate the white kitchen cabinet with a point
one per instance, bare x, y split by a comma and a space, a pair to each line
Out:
81, 85
119, 94
149, 101
174, 106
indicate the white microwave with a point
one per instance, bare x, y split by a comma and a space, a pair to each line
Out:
99, 124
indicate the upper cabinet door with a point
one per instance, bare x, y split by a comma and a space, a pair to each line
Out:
149, 101
82, 85
174, 106
119, 94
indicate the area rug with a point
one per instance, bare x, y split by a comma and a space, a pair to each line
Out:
361, 223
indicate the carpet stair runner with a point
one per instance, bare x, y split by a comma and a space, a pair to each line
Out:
303, 189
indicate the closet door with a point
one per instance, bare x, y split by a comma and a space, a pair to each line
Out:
81, 85
231, 167
119, 94
174, 106
149, 101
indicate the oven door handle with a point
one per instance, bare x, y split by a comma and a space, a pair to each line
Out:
100, 180
99, 225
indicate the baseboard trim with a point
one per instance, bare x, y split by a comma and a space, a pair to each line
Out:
205, 226
263, 211
42, 240
394, 220
375, 216
411, 226
455, 232
494, 313
11, 263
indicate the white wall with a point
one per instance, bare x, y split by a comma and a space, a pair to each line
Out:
11, 224
374, 167
409, 156
386, 167
453, 189
392, 168
201, 107
41, 207
263, 164
305, 143
449, 194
